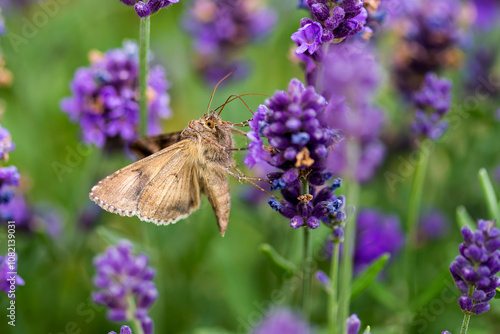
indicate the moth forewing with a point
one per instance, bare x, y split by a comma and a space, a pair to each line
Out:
131, 190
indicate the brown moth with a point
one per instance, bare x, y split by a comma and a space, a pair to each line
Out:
165, 185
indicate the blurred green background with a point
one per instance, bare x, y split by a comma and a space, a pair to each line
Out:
208, 284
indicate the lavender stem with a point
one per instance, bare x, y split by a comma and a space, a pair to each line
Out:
143, 72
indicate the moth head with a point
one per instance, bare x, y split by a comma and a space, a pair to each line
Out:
211, 120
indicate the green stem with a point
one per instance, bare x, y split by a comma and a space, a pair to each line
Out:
333, 302
136, 324
352, 198
306, 262
412, 220
143, 72
489, 193
306, 272
465, 324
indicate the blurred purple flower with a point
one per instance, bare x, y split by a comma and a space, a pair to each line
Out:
433, 226
16, 209
8, 282
487, 13
431, 37
47, 220
432, 102
123, 330
221, 29
104, 97
6, 144
351, 80
376, 234
121, 277
475, 268
2, 24
283, 321
9, 178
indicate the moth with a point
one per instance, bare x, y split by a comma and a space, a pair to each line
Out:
165, 185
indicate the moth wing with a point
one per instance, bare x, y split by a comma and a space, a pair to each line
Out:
146, 146
214, 184
161, 188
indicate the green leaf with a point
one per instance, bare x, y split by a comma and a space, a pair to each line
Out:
211, 330
489, 194
464, 219
385, 296
281, 266
497, 293
367, 330
368, 275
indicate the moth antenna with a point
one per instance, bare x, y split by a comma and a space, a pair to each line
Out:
213, 92
233, 97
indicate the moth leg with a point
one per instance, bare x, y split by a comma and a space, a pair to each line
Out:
241, 177
238, 131
239, 149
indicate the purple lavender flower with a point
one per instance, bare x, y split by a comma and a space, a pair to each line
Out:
7, 4
16, 209
298, 145
2, 24
123, 330
105, 102
9, 178
339, 19
487, 13
146, 8
429, 42
432, 102
257, 151
8, 281
432, 226
221, 29
308, 37
6, 144
121, 277
47, 219
475, 268
376, 234
353, 324
333, 22
283, 321
350, 82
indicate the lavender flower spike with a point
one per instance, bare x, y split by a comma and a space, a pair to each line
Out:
6, 144
475, 268
104, 98
123, 330
147, 8
9, 282
282, 321
298, 145
121, 276
433, 101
